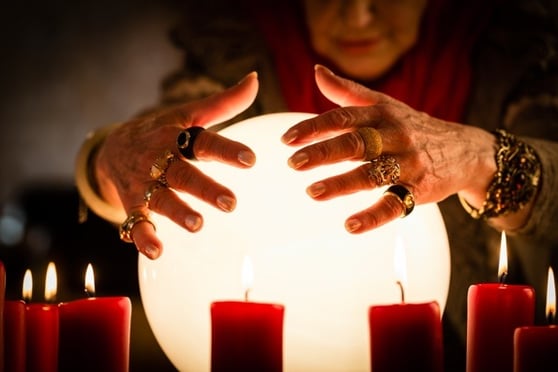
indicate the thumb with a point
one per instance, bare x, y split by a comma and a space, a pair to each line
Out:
345, 92
224, 105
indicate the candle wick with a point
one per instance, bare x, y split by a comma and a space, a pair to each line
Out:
550, 318
88, 293
402, 290
246, 295
503, 277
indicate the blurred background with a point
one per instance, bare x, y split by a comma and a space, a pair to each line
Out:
69, 67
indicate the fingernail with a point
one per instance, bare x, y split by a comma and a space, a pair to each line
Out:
247, 158
316, 189
353, 224
290, 136
226, 203
193, 222
151, 251
253, 73
298, 160
323, 68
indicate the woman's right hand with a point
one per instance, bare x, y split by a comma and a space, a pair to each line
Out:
125, 160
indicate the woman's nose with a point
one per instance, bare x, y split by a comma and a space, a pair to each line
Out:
359, 13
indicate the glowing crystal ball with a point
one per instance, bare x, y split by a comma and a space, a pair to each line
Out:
302, 258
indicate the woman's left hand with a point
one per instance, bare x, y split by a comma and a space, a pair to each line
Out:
428, 158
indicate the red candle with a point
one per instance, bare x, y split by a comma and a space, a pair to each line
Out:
246, 336
42, 326
14, 335
95, 332
536, 347
494, 310
2, 300
405, 336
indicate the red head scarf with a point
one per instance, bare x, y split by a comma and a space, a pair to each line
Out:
434, 76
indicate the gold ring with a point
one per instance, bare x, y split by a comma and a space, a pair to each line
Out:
404, 196
159, 168
127, 226
385, 170
152, 189
372, 142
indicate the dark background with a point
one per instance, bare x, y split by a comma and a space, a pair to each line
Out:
68, 67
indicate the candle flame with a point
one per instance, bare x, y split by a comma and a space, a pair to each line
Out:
503, 262
50, 282
550, 296
89, 280
27, 292
400, 265
247, 276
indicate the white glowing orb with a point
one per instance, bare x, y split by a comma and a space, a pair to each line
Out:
302, 257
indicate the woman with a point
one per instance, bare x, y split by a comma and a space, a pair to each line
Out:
427, 85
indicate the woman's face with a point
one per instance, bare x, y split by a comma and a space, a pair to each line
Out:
364, 38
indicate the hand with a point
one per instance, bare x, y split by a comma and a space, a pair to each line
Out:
436, 158
123, 163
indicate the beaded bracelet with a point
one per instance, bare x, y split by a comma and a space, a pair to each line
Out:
515, 182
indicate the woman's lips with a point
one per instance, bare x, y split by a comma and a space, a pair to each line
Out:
358, 46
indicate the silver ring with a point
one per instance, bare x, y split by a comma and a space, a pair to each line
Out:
385, 170
404, 196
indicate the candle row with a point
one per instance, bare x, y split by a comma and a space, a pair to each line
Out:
90, 334
500, 331
404, 337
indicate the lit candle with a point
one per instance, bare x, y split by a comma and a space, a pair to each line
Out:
405, 336
246, 336
14, 331
42, 325
494, 310
95, 331
536, 347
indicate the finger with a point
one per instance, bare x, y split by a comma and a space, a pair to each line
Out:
348, 146
350, 182
225, 105
386, 209
345, 92
215, 108
166, 202
212, 146
184, 176
146, 241
330, 123
141, 233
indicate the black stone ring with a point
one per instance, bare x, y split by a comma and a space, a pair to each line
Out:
185, 141
404, 196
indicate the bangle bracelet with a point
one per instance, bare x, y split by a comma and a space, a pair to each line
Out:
515, 182
85, 180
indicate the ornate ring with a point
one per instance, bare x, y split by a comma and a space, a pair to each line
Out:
159, 168
404, 196
127, 226
385, 170
152, 189
185, 141
372, 142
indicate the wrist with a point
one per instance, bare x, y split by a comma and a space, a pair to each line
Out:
86, 180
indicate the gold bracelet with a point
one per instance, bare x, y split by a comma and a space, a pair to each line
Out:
515, 182
85, 179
